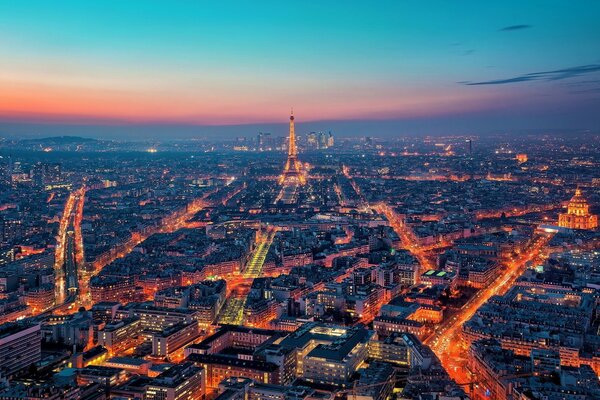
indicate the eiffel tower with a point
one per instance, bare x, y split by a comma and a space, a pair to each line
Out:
293, 174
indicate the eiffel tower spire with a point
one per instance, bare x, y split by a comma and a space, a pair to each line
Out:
292, 173
292, 150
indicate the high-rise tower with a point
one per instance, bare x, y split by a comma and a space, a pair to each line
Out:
293, 172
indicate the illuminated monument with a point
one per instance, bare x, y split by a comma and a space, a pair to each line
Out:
578, 214
293, 173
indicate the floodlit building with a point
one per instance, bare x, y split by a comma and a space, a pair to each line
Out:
578, 214
328, 354
182, 381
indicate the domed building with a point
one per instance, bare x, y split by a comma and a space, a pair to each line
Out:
578, 214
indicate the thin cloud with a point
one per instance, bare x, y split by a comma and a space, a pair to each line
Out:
586, 91
554, 75
583, 83
515, 28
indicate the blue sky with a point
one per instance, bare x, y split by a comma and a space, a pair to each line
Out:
484, 66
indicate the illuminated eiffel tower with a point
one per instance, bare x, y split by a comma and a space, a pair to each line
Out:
293, 173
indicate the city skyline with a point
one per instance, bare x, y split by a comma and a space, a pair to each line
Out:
384, 268
185, 70
299, 200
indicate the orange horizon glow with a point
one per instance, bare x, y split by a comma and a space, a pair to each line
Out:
191, 63
45, 103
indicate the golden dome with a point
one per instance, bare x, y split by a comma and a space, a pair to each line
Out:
578, 214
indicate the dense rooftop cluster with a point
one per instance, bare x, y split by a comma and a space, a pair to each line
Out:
406, 268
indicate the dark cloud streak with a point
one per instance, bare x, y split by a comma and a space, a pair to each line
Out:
515, 28
554, 75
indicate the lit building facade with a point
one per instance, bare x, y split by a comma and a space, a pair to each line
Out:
578, 214
173, 338
40, 299
182, 381
328, 354
20, 347
120, 335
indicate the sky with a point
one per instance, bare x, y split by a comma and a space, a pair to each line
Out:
193, 68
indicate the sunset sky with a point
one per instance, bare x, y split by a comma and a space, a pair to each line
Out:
424, 66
